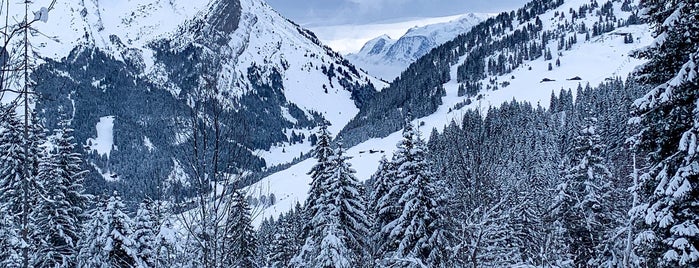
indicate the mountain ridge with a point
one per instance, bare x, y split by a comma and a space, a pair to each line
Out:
139, 65
387, 57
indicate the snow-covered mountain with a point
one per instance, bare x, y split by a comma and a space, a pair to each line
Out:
386, 58
124, 72
511, 56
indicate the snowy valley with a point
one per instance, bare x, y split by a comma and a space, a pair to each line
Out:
220, 133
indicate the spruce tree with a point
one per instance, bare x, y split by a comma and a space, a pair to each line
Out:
241, 239
58, 213
348, 196
20, 190
668, 114
582, 206
283, 247
339, 225
382, 207
107, 237
386, 194
145, 231
419, 229
320, 176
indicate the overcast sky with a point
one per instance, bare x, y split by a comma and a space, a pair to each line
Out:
333, 12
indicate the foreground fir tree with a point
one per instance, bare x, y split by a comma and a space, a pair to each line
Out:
145, 233
339, 224
385, 196
419, 231
107, 237
319, 173
58, 213
669, 114
582, 207
320, 176
286, 238
20, 190
282, 248
382, 206
241, 239
348, 196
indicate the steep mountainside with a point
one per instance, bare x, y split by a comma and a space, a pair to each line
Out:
527, 55
128, 74
386, 58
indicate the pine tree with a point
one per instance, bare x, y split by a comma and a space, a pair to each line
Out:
19, 188
59, 211
383, 208
669, 118
419, 229
333, 251
168, 249
320, 175
9, 256
582, 206
92, 246
386, 194
107, 237
283, 246
145, 231
319, 172
339, 225
241, 238
348, 196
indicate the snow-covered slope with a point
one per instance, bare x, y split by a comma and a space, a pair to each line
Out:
593, 61
138, 62
263, 37
386, 57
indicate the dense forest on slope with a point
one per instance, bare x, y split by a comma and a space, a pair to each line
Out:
492, 48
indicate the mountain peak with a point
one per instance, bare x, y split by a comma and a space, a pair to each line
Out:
386, 57
224, 15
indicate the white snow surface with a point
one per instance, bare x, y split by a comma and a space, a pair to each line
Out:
593, 61
105, 136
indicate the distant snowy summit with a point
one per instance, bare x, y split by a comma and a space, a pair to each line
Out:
386, 58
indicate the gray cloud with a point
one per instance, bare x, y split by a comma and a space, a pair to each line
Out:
328, 12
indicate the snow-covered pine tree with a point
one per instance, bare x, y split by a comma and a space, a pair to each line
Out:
348, 195
9, 257
145, 231
333, 252
320, 175
92, 243
241, 238
582, 206
106, 240
669, 115
282, 247
58, 213
168, 249
339, 226
418, 231
387, 191
287, 237
19, 188
381, 206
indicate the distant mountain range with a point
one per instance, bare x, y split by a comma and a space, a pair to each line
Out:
386, 58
